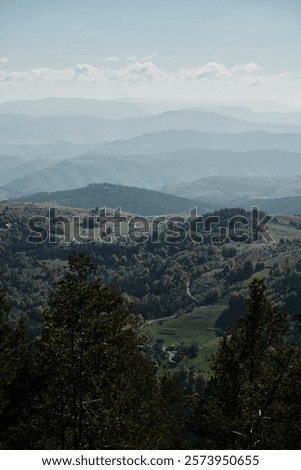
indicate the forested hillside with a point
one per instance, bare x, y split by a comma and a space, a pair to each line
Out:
89, 380
130, 199
153, 275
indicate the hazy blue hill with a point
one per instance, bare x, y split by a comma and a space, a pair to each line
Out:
212, 122
258, 106
114, 109
19, 129
14, 167
204, 162
51, 151
24, 169
72, 174
16, 129
227, 191
8, 163
246, 114
130, 199
280, 205
155, 171
171, 140
76, 107
4, 194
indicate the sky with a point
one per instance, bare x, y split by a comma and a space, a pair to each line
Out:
141, 49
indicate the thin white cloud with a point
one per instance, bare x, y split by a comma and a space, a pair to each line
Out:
139, 71
249, 68
249, 74
149, 57
135, 58
131, 58
110, 59
212, 70
39, 74
86, 72
3, 60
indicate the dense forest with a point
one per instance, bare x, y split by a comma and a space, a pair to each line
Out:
87, 382
89, 357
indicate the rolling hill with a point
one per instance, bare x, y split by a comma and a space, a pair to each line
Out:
15, 167
280, 194
129, 199
280, 205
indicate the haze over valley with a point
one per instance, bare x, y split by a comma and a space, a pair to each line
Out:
203, 153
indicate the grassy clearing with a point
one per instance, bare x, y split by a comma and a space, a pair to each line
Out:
259, 275
194, 327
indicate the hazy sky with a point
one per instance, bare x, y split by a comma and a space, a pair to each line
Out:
224, 50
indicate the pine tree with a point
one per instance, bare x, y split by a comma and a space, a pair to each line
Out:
100, 389
15, 382
253, 397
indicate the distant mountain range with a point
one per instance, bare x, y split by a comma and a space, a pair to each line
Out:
17, 129
171, 140
246, 114
129, 199
78, 107
157, 170
114, 109
159, 142
223, 154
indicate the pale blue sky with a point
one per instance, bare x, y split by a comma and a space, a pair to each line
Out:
172, 35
